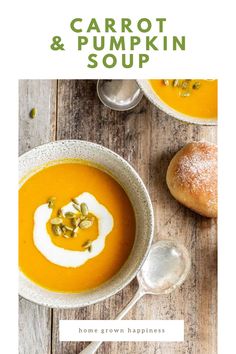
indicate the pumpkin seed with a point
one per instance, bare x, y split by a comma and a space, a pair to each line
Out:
63, 229
76, 206
68, 228
59, 213
85, 224
75, 201
51, 202
175, 83
69, 215
196, 85
84, 209
185, 84
56, 221
33, 113
75, 232
75, 222
86, 244
185, 94
90, 219
166, 82
56, 230
67, 236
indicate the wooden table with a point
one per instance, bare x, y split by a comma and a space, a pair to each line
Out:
147, 138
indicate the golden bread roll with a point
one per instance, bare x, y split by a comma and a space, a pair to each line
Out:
192, 177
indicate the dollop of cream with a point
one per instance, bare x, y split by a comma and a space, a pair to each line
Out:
70, 258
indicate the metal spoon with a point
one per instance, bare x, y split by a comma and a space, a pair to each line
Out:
165, 268
120, 95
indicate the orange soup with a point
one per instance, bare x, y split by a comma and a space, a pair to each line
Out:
76, 227
196, 98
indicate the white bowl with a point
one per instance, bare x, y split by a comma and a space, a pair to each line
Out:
138, 195
156, 100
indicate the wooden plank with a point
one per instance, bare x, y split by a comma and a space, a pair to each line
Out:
35, 320
147, 138
34, 328
40, 94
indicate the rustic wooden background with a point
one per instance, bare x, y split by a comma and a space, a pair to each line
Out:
147, 138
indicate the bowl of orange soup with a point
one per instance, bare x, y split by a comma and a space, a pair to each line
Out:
189, 100
85, 223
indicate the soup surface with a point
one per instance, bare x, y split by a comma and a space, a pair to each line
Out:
196, 98
81, 260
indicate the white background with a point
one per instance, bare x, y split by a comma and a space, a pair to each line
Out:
38, 24
26, 30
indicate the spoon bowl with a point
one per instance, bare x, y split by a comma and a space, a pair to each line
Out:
119, 95
165, 268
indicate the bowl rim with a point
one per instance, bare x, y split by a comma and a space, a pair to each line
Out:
157, 101
129, 277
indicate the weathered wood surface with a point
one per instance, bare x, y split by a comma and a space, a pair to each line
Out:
147, 138
35, 320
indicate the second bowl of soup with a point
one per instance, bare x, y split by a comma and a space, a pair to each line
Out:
189, 100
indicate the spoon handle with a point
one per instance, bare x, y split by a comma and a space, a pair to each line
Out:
93, 346
130, 304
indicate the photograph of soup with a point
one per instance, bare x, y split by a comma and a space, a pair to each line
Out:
115, 203
193, 97
76, 226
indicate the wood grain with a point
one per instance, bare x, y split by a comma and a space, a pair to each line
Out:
35, 320
147, 138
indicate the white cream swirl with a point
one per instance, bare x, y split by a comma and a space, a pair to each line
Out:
70, 258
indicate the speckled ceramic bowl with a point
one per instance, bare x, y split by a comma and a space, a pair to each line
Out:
153, 97
138, 195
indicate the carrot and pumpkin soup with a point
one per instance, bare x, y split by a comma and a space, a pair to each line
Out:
76, 227
195, 98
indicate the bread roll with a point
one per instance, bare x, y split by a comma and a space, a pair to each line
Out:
192, 177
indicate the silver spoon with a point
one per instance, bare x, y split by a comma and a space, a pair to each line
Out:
165, 268
120, 95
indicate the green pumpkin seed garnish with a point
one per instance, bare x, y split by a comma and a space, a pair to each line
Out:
75, 222
86, 244
84, 209
75, 201
76, 206
85, 224
196, 85
63, 229
78, 219
59, 213
51, 202
68, 228
75, 232
56, 230
185, 94
56, 221
67, 231
166, 82
33, 113
175, 83
69, 215
185, 84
